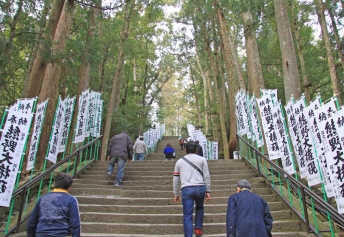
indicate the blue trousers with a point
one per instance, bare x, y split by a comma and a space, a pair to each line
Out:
139, 156
120, 167
191, 195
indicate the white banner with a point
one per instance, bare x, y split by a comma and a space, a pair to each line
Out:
14, 107
204, 144
335, 156
36, 133
265, 107
26, 105
256, 128
313, 168
321, 143
67, 119
81, 120
214, 150
12, 144
282, 137
55, 135
241, 114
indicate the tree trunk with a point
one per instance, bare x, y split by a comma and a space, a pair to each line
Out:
6, 54
52, 77
116, 86
254, 67
232, 82
196, 98
85, 67
330, 60
205, 78
305, 77
336, 35
39, 65
291, 78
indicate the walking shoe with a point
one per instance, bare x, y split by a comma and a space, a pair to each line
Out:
108, 174
118, 184
198, 232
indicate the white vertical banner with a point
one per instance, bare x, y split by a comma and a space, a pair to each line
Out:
56, 132
215, 153
12, 144
39, 118
67, 119
335, 156
265, 107
313, 168
321, 116
270, 92
26, 105
241, 113
204, 144
293, 114
88, 114
98, 118
257, 130
283, 141
81, 120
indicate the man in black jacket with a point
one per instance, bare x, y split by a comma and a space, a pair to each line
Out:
120, 150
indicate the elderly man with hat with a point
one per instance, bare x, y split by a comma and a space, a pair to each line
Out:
248, 215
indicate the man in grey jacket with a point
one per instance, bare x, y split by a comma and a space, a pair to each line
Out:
120, 150
193, 174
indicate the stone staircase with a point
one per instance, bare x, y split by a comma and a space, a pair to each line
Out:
144, 205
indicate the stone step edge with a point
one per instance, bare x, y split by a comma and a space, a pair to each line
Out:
150, 235
167, 225
139, 198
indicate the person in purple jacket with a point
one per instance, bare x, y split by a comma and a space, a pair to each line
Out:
56, 213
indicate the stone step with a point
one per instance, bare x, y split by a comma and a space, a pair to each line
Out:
155, 177
143, 201
151, 183
168, 229
164, 218
167, 172
275, 234
167, 209
109, 185
152, 193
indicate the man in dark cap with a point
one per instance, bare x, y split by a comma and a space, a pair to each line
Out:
248, 215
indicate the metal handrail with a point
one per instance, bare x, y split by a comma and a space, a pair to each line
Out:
304, 189
22, 190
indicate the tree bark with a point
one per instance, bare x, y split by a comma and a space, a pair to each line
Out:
254, 67
40, 62
305, 77
116, 86
232, 82
330, 60
52, 77
336, 34
291, 78
6, 54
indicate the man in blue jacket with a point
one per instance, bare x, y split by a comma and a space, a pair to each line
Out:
248, 215
56, 213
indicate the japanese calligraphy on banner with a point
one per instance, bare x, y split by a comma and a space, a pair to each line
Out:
240, 100
67, 119
80, 131
204, 144
321, 116
56, 132
36, 133
94, 104
26, 105
265, 107
256, 129
270, 92
214, 150
12, 144
98, 118
336, 164
295, 133
313, 169
283, 141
